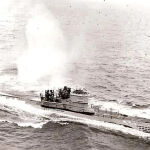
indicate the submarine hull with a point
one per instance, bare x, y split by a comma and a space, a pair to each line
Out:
79, 106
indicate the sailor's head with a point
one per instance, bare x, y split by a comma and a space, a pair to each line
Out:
65, 87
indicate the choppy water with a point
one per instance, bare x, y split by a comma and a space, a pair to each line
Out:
111, 47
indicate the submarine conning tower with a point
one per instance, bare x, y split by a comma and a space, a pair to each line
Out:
62, 99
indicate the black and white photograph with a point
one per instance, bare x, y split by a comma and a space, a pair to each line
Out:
74, 75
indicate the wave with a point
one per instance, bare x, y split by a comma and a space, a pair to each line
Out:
35, 116
25, 124
113, 127
103, 126
31, 124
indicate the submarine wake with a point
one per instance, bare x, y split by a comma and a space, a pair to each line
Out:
31, 115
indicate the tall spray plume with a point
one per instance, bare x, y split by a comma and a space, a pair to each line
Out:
45, 55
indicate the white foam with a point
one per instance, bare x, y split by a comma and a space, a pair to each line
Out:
26, 124
31, 124
22, 105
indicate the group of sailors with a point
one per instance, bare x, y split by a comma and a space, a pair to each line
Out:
49, 95
62, 94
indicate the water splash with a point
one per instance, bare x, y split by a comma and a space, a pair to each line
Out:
46, 53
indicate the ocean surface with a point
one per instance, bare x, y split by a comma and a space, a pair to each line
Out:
101, 46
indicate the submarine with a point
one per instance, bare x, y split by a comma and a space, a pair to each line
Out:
62, 99
77, 101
